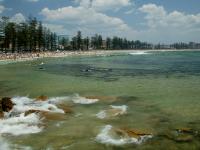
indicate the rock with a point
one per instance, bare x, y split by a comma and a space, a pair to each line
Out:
113, 112
52, 116
47, 115
6, 104
131, 133
184, 130
42, 98
1, 115
31, 111
184, 138
179, 135
66, 108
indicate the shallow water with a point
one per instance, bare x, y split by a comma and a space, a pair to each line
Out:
160, 90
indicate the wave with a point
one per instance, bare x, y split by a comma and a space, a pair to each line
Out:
112, 112
82, 100
107, 136
139, 53
17, 122
3, 144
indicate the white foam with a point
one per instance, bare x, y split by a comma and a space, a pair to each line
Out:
21, 124
24, 104
123, 108
3, 144
105, 137
114, 111
16, 123
139, 53
102, 114
82, 100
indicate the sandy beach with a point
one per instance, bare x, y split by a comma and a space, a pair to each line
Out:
36, 55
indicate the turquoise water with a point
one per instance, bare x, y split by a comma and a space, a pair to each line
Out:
161, 90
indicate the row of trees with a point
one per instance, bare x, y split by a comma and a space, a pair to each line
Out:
33, 36
97, 42
26, 36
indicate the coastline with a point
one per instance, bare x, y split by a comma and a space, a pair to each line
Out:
16, 57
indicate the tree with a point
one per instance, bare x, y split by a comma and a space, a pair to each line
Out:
108, 43
10, 36
32, 33
74, 43
40, 36
79, 40
86, 43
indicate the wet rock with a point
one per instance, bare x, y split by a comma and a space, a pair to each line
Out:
125, 99
180, 135
66, 108
6, 104
184, 138
52, 116
31, 112
46, 115
185, 130
42, 98
1, 114
132, 133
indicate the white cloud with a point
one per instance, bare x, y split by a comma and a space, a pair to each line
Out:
59, 29
157, 16
2, 8
85, 19
102, 5
18, 18
169, 26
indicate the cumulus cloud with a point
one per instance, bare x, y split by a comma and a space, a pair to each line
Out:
59, 29
84, 19
18, 18
2, 8
169, 26
157, 16
102, 5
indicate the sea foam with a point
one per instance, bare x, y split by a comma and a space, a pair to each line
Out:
139, 53
112, 111
3, 144
82, 100
106, 137
17, 123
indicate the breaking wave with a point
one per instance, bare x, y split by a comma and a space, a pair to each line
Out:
139, 53
107, 136
112, 112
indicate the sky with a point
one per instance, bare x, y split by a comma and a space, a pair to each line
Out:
156, 21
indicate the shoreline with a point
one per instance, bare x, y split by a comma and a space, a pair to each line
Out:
15, 57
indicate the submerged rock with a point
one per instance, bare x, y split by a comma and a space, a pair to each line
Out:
184, 138
46, 115
113, 111
184, 130
132, 133
181, 135
115, 136
31, 112
42, 98
66, 108
1, 114
6, 104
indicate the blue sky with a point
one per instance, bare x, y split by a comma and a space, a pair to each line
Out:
148, 20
